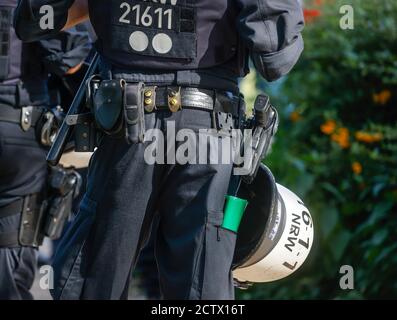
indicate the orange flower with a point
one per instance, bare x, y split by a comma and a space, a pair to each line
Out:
382, 97
295, 116
357, 168
328, 127
367, 137
342, 137
311, 14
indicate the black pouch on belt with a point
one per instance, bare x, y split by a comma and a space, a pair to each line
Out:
134, 113
107, 105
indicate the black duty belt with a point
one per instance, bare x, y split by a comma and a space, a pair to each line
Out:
11, 209
10, 239
177, 98
27, 116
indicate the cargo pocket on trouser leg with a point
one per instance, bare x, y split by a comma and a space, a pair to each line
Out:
68, 277
219, 250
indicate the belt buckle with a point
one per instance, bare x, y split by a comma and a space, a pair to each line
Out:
174, 99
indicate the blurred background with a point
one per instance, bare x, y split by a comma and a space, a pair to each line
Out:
337, 149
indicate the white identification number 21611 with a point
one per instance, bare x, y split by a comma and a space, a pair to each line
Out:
146, 16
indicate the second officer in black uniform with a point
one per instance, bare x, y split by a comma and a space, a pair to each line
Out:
24, 101
173, 61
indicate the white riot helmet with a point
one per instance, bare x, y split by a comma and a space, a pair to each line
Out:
275, 234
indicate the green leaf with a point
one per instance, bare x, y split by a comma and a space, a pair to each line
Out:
328, 219
334, 191
339, 242
379, 237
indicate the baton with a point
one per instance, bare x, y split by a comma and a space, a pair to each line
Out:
65, 132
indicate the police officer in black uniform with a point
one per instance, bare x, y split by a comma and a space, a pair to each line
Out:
23, 169
179, 61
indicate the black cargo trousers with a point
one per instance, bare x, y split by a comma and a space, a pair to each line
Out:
23, 171
124, 193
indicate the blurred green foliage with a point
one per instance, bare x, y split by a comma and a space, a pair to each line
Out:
337, 149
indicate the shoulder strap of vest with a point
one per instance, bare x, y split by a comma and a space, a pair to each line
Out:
5, 30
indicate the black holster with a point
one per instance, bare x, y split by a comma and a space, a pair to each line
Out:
64, 186
32, 218
48, 217
264, 125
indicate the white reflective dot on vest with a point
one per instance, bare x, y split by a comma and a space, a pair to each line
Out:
139, 41
162, 43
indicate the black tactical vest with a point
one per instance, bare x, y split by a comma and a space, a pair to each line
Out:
22, 77
168, 34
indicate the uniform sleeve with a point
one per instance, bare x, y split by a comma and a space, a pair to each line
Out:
271, 29
27, 18
64, 51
